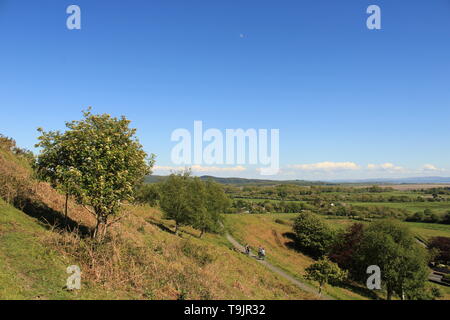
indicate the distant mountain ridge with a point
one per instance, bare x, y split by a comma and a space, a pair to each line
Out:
411, 180
245, 181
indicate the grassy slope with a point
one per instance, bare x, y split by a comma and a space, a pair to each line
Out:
141, 258
29, 269
261, 229
32, 265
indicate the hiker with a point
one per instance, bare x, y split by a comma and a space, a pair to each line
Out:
260, 252
263, 253
247, 249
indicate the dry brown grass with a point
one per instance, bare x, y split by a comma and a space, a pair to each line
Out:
16, 186
19, 188
140, 260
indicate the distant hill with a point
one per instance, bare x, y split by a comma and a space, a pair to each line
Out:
412, 180
244, 181
261, 182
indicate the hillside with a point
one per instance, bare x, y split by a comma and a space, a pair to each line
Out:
401, 183
140, 259
274, 233
244, 181
143, 258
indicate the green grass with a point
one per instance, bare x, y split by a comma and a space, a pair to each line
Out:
423, 231
31, 269
28, 270
412, 207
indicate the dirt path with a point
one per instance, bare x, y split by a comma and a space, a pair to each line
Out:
301, 285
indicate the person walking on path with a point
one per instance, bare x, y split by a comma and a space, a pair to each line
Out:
263, 253
247, 249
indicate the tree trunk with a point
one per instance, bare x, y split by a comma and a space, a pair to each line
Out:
389, 293
176, 228
100, 229
94, 234
102, 225
66, 207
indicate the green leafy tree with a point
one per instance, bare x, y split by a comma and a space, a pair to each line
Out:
177, 200
446, 218
98, 160
441, 245
216, 202
345, 244
324, 271
55, 163
148, 193
190, 201
403, 263
312, 234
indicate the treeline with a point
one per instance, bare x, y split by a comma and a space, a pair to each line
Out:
374, 212
338, 209
335, 193
363, 212
188, 200
266, 206
428, 216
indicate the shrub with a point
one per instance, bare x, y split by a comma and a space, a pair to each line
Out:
312, 234
442, 244
345, 246
324, 271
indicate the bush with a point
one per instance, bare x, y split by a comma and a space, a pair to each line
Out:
324, 271
312, 234
446, 278
148, 193
442, 245
345, 246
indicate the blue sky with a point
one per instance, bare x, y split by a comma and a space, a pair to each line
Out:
349, 102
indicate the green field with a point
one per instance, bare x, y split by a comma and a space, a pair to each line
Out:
437, 207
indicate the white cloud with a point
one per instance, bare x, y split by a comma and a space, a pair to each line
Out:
198, 168
430, 167
326, 166
385, 166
